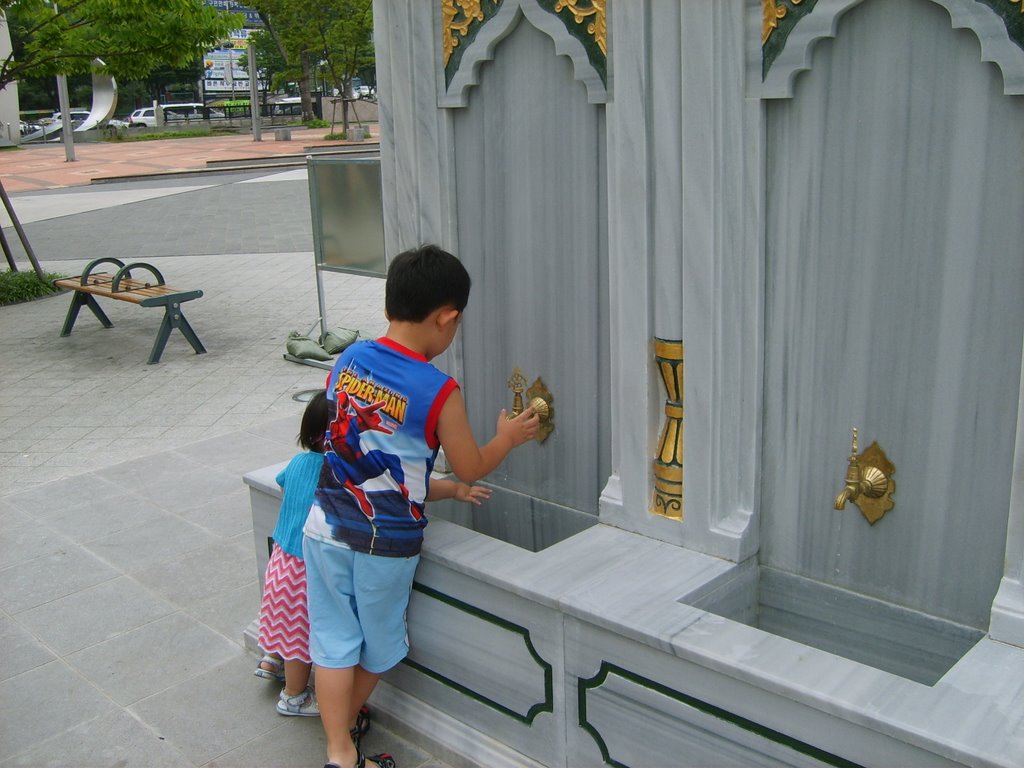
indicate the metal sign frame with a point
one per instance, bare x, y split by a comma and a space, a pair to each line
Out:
347, 211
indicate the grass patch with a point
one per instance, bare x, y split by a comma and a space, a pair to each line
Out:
16, 287
193, 133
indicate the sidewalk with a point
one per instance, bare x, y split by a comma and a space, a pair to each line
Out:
127, 564
33, 167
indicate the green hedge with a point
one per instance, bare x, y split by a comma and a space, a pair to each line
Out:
16, 287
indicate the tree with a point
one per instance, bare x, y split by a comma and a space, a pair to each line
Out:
131, 37
271, 68
334, 35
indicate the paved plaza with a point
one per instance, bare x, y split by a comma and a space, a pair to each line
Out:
127, 564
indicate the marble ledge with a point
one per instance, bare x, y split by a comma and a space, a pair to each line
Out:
265, 479
973, 715
633, 587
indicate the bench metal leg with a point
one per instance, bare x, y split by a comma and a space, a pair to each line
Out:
173, 318
79, 300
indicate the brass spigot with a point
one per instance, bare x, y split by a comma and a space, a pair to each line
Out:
865, 485
540, 400
870, 482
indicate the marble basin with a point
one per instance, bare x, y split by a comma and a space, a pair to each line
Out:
527, 522
867, 630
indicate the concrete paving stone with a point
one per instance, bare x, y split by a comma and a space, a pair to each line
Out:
18, 459
156, 540
44, 701
231, 611
15, 417
224, 517
296, 741
75, 461
215, 713
280, 430
82, 489
153, 657
49, 577
171, 479
203, 573
26, 538
14, 479
94, 615
22, 651
179, 435
113, 739
65, 435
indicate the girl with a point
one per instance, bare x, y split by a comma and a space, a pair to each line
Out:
284, 621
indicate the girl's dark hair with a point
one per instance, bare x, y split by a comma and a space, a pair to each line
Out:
314, 423
424, 279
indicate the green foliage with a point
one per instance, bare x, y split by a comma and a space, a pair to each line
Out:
336, 136
16, 287
132, 37
124, 135
317, 123
271, 68
335, 32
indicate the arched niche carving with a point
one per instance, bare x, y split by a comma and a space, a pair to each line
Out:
454, 86
813, 21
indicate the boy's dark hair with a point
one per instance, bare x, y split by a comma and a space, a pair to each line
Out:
423, 279
314, 423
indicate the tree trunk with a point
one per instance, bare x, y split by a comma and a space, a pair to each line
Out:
307, 100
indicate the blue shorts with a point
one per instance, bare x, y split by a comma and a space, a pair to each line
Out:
357, 604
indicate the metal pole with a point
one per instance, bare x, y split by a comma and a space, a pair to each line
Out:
254, 93
21, 234
66, 129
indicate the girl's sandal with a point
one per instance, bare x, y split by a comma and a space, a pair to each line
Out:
275, 671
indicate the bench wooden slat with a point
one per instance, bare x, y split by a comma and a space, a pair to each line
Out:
131, 290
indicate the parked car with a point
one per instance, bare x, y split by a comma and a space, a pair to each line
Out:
145, 116
117, 123
78, 116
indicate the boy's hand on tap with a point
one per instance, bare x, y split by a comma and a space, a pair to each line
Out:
519, 430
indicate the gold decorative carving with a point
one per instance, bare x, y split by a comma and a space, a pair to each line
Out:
869, 482
457, 17
772, 11
668, 463
542, 402
592, 9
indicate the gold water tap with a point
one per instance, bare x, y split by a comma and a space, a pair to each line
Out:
540, 400
869, 482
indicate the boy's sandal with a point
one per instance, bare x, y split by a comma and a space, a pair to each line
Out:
276, 671
383, 760
362, 725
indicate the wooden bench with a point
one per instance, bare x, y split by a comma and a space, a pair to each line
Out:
123, 287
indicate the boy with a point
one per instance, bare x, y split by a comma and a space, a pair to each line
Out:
390, 410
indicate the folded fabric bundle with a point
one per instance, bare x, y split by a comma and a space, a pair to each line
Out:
305, 348
335, 340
